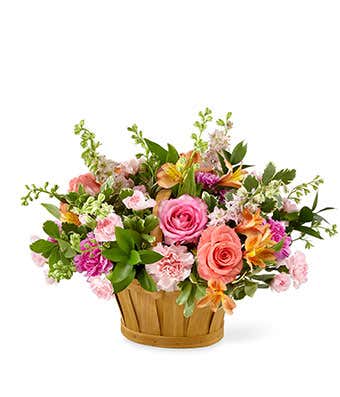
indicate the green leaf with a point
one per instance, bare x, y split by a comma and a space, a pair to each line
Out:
134, 258
315, 202
189, 184
200, 291
146, 281
52, 209
266, 278
286, 176
277, 247
239, 293
150, 222
43, 247
210, 200
238, 153
309, 231
222, 162
268, 205
250, 288
184, 294
172, 155
66, 248
117, 287
124, 193
250, 183
120, 272
149, 256
189, 305
305, 215
54, 256
326, 209
51, 229
157, 150
124, 239
115, 254
268, 173
149, 239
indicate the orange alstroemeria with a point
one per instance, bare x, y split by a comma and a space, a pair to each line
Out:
233, 179
68, 216
163, 194
251, 223
215, 296
259, 248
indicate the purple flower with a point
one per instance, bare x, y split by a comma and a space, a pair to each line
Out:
91, 260
278, 232
207, 179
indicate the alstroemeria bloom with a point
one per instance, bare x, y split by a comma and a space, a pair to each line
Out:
68, 216
259, 248
138, 201
215, 296
233, 179
251, 223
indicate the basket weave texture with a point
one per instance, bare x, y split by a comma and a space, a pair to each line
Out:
154, 318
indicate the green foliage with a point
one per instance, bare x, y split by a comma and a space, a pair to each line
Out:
189, 184
250, 288
137, 136
33, 193
250, 183
268, 173
146, 281
238, 153
62, 269
52, 209
172, 155
285, 175
210, 200
42, 247
51, 229
305, 188
157, 150
88, 142
149, 256
120, 286
190, 292
268, 205
204, 118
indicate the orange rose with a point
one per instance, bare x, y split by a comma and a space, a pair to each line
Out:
219, 254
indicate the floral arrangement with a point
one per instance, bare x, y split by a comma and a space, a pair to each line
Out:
201, 222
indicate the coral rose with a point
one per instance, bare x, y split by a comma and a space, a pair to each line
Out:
219, 254
88, 181
183, 219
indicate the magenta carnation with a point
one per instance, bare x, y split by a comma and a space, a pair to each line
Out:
91, 260
278, 232
207, 179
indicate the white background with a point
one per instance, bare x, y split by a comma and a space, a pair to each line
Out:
275, 65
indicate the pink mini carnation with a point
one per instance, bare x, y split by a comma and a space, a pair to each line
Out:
138, 201
280, 282
298, 268
91, 260
183, 219
175, 266
101, 286
88, 181
105, 229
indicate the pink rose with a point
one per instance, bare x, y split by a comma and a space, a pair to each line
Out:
138, 201
219, 254
183, 219
105, 229
101, 286
280, 282
175, 266
88, 181
289, 206
298, 268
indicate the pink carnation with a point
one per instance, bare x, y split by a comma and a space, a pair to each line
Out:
101, 286
91, 260
298, 268
280, 282
88, 181
105, 229
175, 266
138, 201
183, 219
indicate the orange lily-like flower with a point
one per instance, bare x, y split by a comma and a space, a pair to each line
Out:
215, 296
259, 248
251, 223
232, 179
171, 174
68, 216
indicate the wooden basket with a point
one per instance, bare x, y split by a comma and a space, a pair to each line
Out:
154, 318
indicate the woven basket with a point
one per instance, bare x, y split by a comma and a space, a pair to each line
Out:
154, 318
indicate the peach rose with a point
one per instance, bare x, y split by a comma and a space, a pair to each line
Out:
219, 254
88, 181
